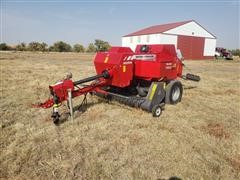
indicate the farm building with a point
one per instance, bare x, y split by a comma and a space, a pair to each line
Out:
194, 41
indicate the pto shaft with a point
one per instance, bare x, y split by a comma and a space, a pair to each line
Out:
105, 74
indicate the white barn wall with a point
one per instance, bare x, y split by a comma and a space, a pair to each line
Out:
126, 42
209, 47
149, 39
168, 39
188, 29
153, 39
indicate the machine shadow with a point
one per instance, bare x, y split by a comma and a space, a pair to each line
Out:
171, 178
79, 108
189, 87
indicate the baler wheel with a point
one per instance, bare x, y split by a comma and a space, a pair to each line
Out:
156, 111
174, 92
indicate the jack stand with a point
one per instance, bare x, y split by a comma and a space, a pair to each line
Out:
70, 103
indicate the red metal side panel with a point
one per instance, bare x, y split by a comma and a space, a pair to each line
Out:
163, 65
114, 60
191, 47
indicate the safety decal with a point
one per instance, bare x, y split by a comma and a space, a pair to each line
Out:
153, 91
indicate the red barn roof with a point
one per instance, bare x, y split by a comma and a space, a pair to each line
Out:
158, 28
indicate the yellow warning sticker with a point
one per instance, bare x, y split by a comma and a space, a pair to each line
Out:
153, 91
124, 68
106, 59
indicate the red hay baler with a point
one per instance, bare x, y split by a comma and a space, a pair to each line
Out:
146, 79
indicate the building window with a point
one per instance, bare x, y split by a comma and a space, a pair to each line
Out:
148, 37
139, 39
131, 39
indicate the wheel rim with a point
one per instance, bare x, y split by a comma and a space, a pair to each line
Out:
175, 93
158, 111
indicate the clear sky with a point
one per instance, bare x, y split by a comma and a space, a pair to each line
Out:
83, 21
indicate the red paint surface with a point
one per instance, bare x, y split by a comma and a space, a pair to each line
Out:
191, 47
126, 66
157, 63
158, 28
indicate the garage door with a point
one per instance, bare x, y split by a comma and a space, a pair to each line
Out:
191, 47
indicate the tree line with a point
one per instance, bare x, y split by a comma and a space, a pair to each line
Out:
236, 52
59, 46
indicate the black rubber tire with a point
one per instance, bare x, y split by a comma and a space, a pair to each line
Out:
156, 111
171, 88
193, 77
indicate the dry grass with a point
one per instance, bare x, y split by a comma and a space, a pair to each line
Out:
196, 139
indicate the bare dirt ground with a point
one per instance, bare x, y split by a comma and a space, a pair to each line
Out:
198, 138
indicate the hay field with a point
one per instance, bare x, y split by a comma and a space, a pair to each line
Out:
198, 138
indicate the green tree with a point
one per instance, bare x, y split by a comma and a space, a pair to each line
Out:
78, 48
51, 48
43, 46
60, 46
91, 48
236, 52
102, 45
4, 47
36, 46
33, 46
21, 47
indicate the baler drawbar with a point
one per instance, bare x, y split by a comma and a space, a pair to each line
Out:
146, 79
